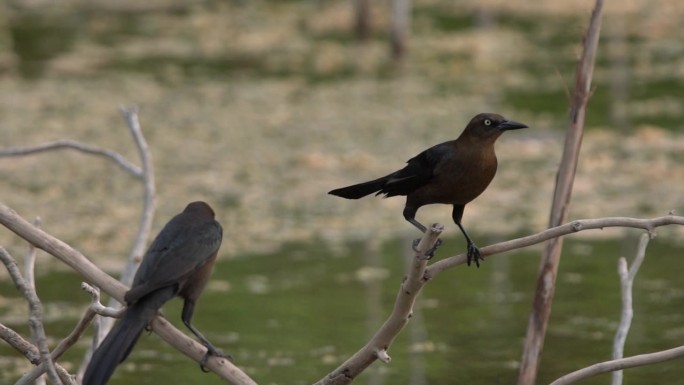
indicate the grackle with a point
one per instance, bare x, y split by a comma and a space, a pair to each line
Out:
179, 262
453, 172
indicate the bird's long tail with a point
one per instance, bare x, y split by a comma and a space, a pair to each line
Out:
121, 339
360, 190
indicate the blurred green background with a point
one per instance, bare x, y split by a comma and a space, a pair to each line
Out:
261, 107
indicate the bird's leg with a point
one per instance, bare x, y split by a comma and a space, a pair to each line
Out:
410, 215
186, 316
473, 254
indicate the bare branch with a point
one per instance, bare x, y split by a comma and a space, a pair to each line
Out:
572, 227
104, 325
138, 249
114, 156
95, 308
29, 274
30, 261
546, 280
403, 307
28, 350
20, 344
79, 263
623, 363
626, 283
35, 313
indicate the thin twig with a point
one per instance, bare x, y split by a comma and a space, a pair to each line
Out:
623, 363
30, 276
626, 282
35, 313
114, 156
97, 307
30, 261
377, 347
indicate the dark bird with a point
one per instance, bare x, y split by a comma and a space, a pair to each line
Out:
179, 262
453, 172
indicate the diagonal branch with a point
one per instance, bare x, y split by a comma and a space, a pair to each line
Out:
82, 265
377, 347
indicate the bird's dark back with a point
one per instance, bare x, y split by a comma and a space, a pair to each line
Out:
186, 241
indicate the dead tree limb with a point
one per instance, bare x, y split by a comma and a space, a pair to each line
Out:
546, 279
377, 347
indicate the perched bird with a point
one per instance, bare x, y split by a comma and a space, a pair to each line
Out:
179, 262
453, 172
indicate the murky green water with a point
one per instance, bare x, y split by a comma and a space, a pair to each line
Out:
291, 317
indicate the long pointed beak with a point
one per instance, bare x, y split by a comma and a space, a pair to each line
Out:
511, 125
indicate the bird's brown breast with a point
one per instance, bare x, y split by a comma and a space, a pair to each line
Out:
458, 179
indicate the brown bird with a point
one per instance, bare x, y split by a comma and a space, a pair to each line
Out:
179, 262
453, 172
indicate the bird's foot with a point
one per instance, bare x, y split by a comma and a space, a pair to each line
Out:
430, 253
212, 351
474, 255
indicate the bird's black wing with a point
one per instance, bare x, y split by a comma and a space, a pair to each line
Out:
178, 251
418, 172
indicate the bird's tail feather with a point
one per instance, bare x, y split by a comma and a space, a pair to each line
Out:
123, 336
360, 190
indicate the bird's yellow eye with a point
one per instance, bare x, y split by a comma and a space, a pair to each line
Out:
487, 122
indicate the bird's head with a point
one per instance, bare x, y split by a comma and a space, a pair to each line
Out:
199, 208
488, 126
